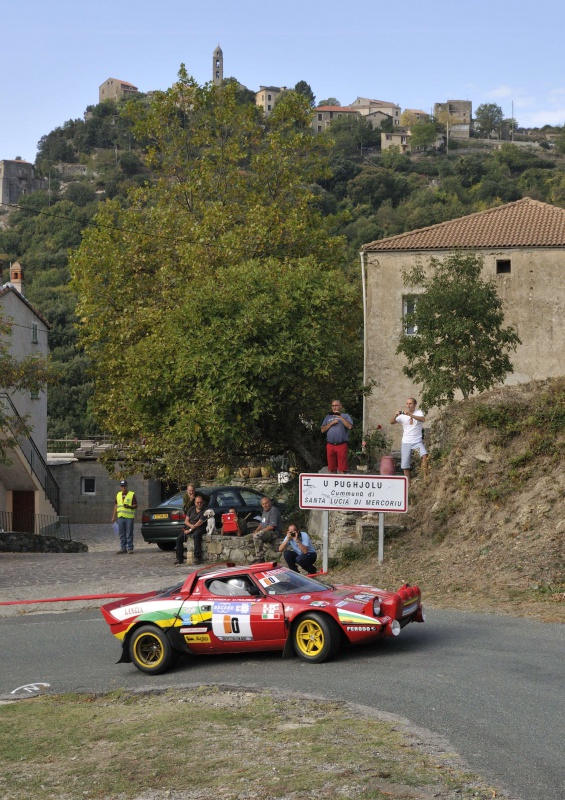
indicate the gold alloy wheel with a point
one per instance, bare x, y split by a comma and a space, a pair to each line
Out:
148, 650
309, 637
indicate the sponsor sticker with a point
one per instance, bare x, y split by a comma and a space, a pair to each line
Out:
199, 638
306, 597
365, 628
271, 611
319, 603
232, 621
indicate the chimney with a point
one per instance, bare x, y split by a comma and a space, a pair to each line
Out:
17, 277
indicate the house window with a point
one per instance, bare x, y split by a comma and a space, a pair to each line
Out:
268, 97
389, 137
408, 307
34, 336
503, 265
319, 128
319, 117
88, 485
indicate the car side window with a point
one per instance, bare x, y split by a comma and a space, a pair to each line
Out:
251, 499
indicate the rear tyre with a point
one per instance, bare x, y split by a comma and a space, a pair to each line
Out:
315, 638
151, 651
166, 545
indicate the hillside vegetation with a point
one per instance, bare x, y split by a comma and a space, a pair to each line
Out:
486, 531
365, 195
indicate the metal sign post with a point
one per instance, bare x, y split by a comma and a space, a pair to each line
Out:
379, 493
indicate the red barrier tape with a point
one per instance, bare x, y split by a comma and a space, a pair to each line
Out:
64, 599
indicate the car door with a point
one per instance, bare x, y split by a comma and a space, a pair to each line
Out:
232, 623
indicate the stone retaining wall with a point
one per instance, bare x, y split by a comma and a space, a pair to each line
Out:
239, 549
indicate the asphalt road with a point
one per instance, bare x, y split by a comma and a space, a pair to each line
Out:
494, 686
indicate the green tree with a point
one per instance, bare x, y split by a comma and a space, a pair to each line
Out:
488, 118
215, 307
329, 101
424, 135
351, 134
460, 342
305, 90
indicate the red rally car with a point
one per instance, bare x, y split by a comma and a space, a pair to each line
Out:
232, 609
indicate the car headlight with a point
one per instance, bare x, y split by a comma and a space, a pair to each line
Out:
377, 606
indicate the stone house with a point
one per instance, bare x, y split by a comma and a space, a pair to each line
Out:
27, 487
366, 106
399, 138
266, 97
325, 115
523, 248
114, 89
457, 115
16, 179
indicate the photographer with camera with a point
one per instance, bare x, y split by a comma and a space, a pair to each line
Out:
336, 426
298, 550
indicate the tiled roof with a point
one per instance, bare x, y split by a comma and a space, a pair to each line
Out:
525, 223
347, 109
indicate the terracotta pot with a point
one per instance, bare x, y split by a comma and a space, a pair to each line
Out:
387, 465
254, 472
244, 472
266, 472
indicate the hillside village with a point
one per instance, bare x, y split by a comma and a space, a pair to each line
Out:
500, 194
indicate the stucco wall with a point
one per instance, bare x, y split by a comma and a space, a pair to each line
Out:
533, 296
21, 343
97, 507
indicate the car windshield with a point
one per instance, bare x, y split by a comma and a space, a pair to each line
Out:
285, 581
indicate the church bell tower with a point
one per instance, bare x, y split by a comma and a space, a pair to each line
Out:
218, 66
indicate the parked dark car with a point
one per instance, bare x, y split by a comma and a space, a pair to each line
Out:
161, 524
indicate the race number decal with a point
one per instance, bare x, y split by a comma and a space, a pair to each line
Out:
232, 621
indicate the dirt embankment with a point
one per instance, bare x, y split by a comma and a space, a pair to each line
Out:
486, 530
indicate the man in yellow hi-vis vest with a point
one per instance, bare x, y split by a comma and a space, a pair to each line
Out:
124, 513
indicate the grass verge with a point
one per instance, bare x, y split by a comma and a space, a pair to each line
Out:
211, 742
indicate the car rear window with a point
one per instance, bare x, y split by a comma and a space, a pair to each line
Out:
227, 499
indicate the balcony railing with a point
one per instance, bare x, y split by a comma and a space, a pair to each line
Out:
32, 455
40, 524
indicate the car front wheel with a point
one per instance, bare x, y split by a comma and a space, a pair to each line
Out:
150, 650
315, 638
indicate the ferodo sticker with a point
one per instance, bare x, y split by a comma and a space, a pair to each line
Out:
232, 621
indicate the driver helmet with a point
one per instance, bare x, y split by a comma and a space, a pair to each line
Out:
238, 583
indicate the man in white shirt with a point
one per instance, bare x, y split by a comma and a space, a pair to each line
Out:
412, 420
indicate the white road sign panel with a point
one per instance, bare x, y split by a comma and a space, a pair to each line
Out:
383, 493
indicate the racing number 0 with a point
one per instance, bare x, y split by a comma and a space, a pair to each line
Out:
231, 624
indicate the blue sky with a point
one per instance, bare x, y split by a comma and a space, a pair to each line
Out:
56, 54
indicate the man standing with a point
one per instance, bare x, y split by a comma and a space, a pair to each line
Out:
124, 513
336, 426
195, 526
412, 435
269, 528
298, 550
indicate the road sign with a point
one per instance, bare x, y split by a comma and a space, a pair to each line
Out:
381, 493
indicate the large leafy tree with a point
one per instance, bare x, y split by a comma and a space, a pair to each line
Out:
459, 341
216, 308
488, 118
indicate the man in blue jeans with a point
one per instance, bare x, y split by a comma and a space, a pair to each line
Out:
298, 550
124, 513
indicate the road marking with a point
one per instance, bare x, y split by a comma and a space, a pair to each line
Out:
31, 688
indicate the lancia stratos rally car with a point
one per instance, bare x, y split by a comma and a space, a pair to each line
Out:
232, 609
